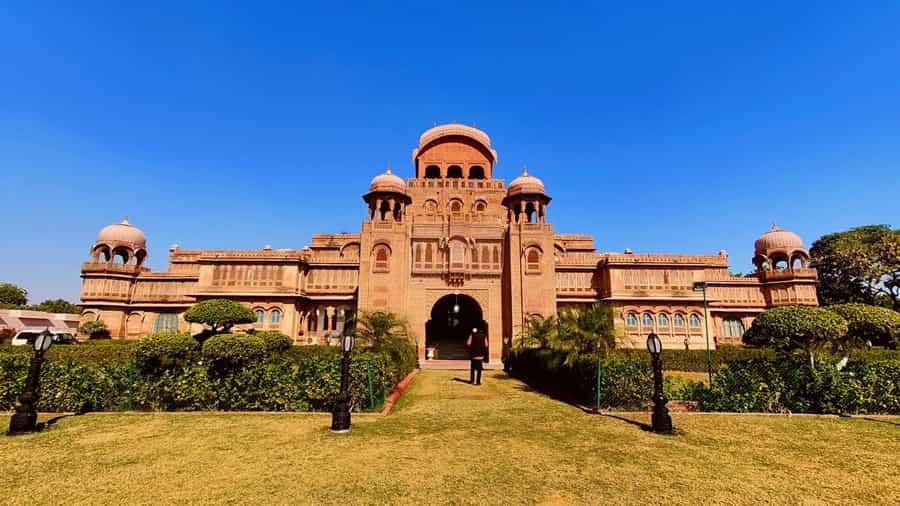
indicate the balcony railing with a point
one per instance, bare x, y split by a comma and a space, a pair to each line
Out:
106, 267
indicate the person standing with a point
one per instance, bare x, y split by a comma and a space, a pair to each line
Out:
477, 344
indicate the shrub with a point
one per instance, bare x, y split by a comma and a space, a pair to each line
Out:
275, 342
219, 314
796, 327
164, 351
6, 335
228, 352
95, 329
877, 325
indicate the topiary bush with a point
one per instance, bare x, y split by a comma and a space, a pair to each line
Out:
275, 342
877, 325
164, 351
95, 329
790, 328
229, 352
219, 314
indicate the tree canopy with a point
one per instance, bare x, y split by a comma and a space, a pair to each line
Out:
869, 324
219, 315
586, 330
859, 265
379, 327
95, 329
57, 306
789, 328
13, 296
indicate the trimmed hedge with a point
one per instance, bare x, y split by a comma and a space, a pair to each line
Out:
275, 342
163, 351
793, 385
304, 378
101, 351
230, 352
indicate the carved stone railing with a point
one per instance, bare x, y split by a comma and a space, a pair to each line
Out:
105, 267
788, 274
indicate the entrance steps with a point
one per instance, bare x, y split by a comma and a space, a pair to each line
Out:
456, 365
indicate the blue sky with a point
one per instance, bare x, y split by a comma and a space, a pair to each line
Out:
676, 127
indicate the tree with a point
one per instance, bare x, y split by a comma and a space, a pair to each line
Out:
380, 328
789, 328
869, 324
57, 306
586, 330
859, 265
219, 315
12, 295
95, 329
539, 331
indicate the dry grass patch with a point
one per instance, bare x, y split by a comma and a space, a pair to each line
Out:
450, 442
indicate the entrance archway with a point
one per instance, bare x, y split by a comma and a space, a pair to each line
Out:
452, 319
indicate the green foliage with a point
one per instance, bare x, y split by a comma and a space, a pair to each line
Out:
539, 332
12, 296
859, 265
624, 382
378, 327
228, 352
677, 388
164, 351
790, 328
877, 325
219, 314
798, 386
95, 329
585, 330
56, 306
275, 342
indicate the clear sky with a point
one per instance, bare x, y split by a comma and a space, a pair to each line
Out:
675, 127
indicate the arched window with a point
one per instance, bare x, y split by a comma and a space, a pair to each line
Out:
647, 320
631, 320
663, 320
695, 321
260, 316
476, 172
679, 320
456, 206
432, 172
165, 322
733, 327
275, 316
533, 260
454, 172
480, 206
430, 206
382, 258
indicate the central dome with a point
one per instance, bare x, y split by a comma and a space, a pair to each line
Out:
455, 130
123, 232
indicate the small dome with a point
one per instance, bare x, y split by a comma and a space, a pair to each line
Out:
387, 182
776, 239
525, 184
122, 233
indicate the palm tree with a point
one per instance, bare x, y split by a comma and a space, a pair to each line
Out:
539, 332
586, 330
379, 328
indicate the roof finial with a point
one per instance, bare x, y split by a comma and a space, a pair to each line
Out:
388, 171
524, 169
125, 220
774, 224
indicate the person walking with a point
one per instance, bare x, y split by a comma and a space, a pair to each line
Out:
477, 344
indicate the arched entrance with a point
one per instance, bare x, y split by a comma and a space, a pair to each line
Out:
452, 319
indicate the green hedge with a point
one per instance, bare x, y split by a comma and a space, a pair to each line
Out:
117, 351
792, 385
297, 380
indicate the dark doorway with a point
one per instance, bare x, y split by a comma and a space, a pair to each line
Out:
452, 319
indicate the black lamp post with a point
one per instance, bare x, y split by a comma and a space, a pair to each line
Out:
662, 422
340, 415
25, 418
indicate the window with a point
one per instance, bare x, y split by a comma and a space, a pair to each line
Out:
663, 320
476, 172
456, 206
260, 316
533, 261
165, 321
480, 206
679, 320
733, 327
432, 172
631, 320
647, 320
382, 258
275, 316
454, 172
695, 321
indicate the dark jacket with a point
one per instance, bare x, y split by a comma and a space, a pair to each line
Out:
478, 345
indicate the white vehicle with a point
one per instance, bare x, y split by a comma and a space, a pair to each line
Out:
27, 336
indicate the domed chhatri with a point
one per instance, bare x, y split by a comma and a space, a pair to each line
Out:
122, 233
779, 249
525, 184
387, 181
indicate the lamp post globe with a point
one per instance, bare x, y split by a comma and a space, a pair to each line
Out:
661, 420
25, 418
340, 414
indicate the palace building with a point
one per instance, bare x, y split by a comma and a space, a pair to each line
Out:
450, 249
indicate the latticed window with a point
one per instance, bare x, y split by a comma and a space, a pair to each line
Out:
663, 320
533, 261
275, 316
166, 322
647, 320
631, 320
260, 316
382, 258
695, 321
733, 327
678, 320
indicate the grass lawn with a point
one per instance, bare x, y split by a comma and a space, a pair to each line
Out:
449, 442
